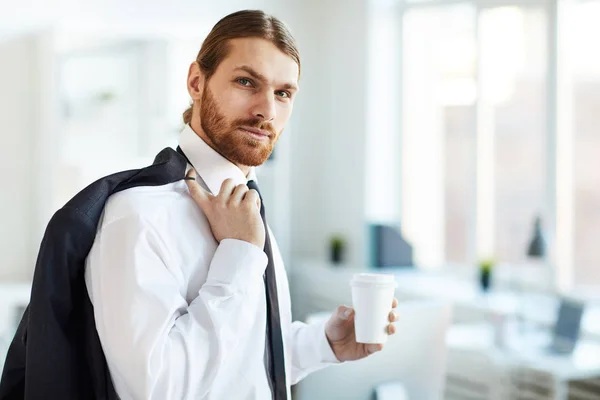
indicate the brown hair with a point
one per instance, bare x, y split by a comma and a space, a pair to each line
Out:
242, 24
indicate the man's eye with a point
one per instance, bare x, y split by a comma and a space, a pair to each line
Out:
283, 94
244, 82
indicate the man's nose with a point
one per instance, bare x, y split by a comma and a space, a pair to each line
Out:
264, 107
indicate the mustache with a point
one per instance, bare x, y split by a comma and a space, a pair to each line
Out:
256, 123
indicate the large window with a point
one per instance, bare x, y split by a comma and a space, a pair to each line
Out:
585, 131
513, 93
500, 126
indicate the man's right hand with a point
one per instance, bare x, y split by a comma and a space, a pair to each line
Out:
234, 213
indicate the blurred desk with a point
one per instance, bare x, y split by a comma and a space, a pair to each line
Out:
319, 286
522, 368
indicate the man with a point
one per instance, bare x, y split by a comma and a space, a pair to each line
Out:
189, 290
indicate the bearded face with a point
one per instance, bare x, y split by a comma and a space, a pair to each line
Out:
243, 141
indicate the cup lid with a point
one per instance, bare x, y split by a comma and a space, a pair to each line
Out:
373, 279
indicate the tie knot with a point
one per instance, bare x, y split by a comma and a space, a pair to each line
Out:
252, 185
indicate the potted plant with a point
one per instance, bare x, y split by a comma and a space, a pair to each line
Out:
485, 274
337, 245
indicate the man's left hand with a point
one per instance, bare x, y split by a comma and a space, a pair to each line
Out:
342, 339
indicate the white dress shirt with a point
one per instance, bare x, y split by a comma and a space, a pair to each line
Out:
179, 315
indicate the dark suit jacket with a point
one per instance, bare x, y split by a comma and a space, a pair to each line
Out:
56, 352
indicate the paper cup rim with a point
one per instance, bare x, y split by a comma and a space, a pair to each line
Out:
373, 280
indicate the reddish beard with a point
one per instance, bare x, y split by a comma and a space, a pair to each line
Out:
228, 140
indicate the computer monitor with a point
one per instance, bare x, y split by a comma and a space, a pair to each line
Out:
415, 356
567, 326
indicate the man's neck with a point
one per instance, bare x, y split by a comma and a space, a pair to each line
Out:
197, 128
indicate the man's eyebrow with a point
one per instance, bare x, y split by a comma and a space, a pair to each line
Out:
257, 75
290, 86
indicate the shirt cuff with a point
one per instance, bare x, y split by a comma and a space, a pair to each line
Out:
326, 354
236, 262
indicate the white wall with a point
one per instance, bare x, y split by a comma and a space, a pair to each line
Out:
150, 17
383, 146
26, 143
328, 126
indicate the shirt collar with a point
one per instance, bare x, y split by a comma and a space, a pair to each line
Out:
212, 167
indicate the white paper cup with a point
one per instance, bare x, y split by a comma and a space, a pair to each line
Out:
372, 297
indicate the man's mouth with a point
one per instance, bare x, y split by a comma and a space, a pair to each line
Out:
255, 133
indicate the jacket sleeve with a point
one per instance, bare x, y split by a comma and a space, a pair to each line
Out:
161, 346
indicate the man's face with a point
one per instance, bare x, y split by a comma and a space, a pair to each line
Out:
248, 100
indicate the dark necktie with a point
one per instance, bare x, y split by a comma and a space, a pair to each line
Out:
274, 346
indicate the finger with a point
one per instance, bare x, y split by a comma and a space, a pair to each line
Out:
393, 317
395, 303
373, 348
347, 313
252, 198
391, 329
343, 314
238, 194
197, 192
226, 189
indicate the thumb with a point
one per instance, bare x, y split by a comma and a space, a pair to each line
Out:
197, 192
344, 314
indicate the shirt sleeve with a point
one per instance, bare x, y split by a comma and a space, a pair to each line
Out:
310, 349
160, 346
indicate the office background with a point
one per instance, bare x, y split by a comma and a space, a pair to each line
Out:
458, 123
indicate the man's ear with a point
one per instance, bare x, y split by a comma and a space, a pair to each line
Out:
195, 81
